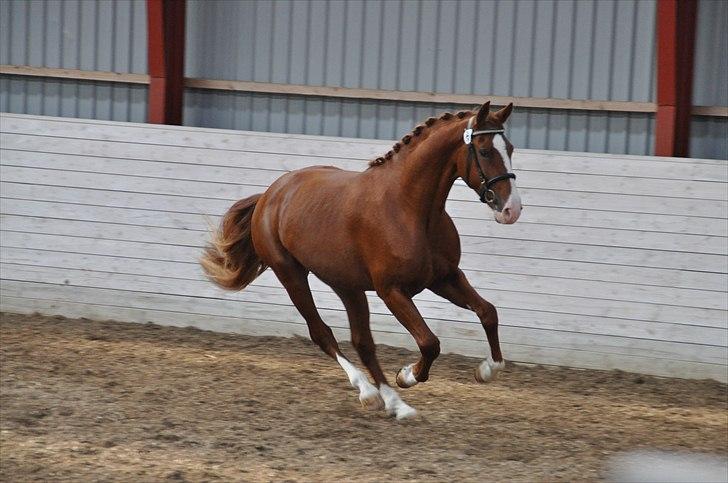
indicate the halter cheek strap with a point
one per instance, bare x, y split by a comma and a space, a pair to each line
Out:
485, 191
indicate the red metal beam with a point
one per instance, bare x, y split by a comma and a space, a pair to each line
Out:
166, 52
675, 49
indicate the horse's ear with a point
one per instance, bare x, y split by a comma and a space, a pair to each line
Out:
482, 114
502, 115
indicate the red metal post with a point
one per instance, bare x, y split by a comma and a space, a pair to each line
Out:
166, 52
675, 49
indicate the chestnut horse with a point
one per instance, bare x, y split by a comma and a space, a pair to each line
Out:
382, 229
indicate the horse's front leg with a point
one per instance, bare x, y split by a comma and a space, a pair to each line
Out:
458, 290
401, 305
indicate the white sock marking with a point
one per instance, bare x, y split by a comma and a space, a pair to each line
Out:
367, 391
355, 375
408, 376
394, 405
489, 369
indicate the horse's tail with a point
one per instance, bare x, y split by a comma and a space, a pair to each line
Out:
230, 260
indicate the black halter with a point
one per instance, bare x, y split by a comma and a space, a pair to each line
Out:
484, 190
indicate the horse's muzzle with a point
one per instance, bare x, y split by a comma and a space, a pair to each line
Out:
509, 214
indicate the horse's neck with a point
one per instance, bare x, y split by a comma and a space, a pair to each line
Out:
427, 172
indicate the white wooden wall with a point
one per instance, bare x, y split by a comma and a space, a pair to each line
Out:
617, 261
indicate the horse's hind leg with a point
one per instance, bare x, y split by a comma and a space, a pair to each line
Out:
294, 278
458, 290
357, 309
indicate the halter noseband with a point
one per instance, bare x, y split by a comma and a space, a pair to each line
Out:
484, 190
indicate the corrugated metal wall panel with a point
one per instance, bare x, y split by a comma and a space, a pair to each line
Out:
561, 48
581, 50
709, 136
71, 98
533, 128
710, 83
75, 34
106, 35
414, 46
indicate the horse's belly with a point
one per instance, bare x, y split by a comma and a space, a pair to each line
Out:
336, 264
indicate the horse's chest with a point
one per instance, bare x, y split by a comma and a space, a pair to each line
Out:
407, 268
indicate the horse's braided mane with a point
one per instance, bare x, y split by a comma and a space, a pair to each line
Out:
416, 132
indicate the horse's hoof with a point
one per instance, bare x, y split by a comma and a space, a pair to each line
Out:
406, 412
488, 370
371, 399
406, 377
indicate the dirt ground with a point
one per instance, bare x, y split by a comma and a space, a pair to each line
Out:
106, 401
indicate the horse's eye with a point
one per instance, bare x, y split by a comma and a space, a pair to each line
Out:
485, 152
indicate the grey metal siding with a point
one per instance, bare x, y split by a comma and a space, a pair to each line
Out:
567, 49
601, 50
709, 135
579, 50
106, 35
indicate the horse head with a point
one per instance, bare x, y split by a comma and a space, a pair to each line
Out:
487, 167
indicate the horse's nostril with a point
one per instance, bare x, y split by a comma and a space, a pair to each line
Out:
507, 212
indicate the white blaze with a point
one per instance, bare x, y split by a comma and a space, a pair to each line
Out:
500, 145
514, 200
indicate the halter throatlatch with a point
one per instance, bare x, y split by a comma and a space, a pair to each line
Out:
485, 192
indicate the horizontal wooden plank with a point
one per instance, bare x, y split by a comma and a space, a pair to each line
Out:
189, 131
340, 92
597, 345
562, 215
120, 199
524, 160
250, 170
86, 245
106, 231
521, 283
354, 93
471, 227
64, 154
480, 245
624, 203
586, 163
192, 283
270, 298
381, 322
516, 352
677, 242
717, 111
616, 258
135, 140
414, 96
77, 74
180, 262
29, 247
458, 209
290, 144
430, 307
233, 190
